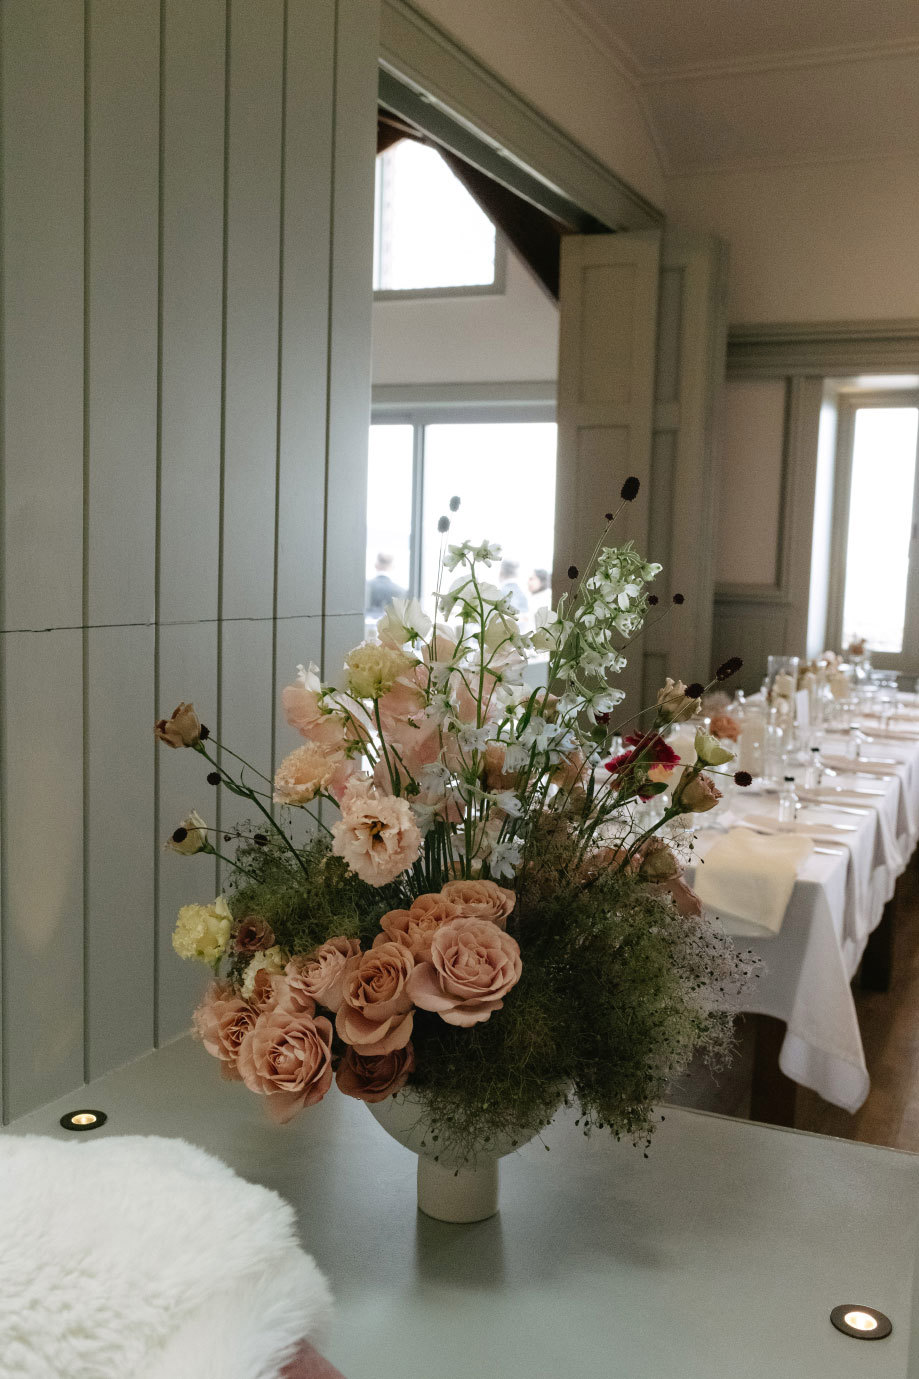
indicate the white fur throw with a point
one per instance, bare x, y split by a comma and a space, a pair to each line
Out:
145, 1258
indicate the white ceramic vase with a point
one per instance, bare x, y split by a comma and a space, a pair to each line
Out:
449, 1189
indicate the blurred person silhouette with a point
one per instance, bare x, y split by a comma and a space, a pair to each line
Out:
508, 576
382, 589
539, 585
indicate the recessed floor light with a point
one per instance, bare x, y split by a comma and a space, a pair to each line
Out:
864, 1323
83, 1120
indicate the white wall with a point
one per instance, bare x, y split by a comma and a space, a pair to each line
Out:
538, 48
504, 337
186, 379
813, 243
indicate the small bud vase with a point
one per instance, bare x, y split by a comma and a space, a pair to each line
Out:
449, 1189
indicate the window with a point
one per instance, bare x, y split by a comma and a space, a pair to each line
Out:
431, 236
875, 501
503, 472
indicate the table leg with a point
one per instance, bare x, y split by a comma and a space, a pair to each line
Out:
773, 1094
877, 961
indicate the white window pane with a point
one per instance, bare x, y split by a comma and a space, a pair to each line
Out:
430, 232
504, 475
389, 516
880, 526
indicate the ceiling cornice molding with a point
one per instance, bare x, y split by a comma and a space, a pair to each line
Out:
822, 160
803, 59
623, 60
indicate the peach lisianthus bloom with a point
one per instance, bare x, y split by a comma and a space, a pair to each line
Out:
375, 1015
320, 975
696, 794
182, 729
307, 770
376, 835
374, 1079
473, 966
415, 927
287, 1057
222, 1021
481, 900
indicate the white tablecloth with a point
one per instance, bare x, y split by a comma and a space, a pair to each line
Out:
837, 902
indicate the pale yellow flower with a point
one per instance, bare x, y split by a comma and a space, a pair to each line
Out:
373, 669
710, 750
202, 931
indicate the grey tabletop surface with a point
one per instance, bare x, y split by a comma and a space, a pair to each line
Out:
721, 1254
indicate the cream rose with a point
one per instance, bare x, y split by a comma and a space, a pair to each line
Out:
375, 1015
287, 1057
320, 976
481, 900
374, 1079
473, 966
272, 961
202, 931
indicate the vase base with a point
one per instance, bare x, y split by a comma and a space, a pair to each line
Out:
459, 1197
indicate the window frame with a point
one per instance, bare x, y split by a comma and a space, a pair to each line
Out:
496, 288
906, 661
458, 403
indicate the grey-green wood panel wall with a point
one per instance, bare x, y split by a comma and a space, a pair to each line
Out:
187, 249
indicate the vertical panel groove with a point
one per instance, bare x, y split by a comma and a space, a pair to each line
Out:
87, 106
158, 520
326, 672
282, 205
221, 502
4, 1060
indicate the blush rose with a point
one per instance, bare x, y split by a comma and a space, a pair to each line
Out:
287, 1057
374, 1079
375, 1015
473, 966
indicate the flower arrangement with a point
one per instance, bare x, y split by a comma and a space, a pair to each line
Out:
489, 914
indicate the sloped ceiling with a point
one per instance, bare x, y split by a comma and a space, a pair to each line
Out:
728, 84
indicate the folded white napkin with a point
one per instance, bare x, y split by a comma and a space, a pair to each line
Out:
747, 879
865, 765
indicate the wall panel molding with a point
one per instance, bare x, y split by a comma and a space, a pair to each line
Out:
826, 348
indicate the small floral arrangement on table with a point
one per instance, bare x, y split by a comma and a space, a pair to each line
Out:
488, 915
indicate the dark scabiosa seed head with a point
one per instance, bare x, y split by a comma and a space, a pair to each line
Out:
609, 516
629, 491
260, 840
213, 777
730, 667
678, 599
653, 600
454, 503
694, 691
572, 571
203, 733
743, 778
180, 835
443, 524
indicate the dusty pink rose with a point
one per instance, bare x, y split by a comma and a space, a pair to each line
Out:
222, 1021
374, 1079
473, 966
414, 928
183, 729
269, 989
698, 795
320, 976
481, 899
375, 1015
253, 935
376, 835
287, 1057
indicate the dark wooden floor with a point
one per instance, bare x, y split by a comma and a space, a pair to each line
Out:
890, 1033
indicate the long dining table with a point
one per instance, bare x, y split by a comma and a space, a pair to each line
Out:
865, 821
